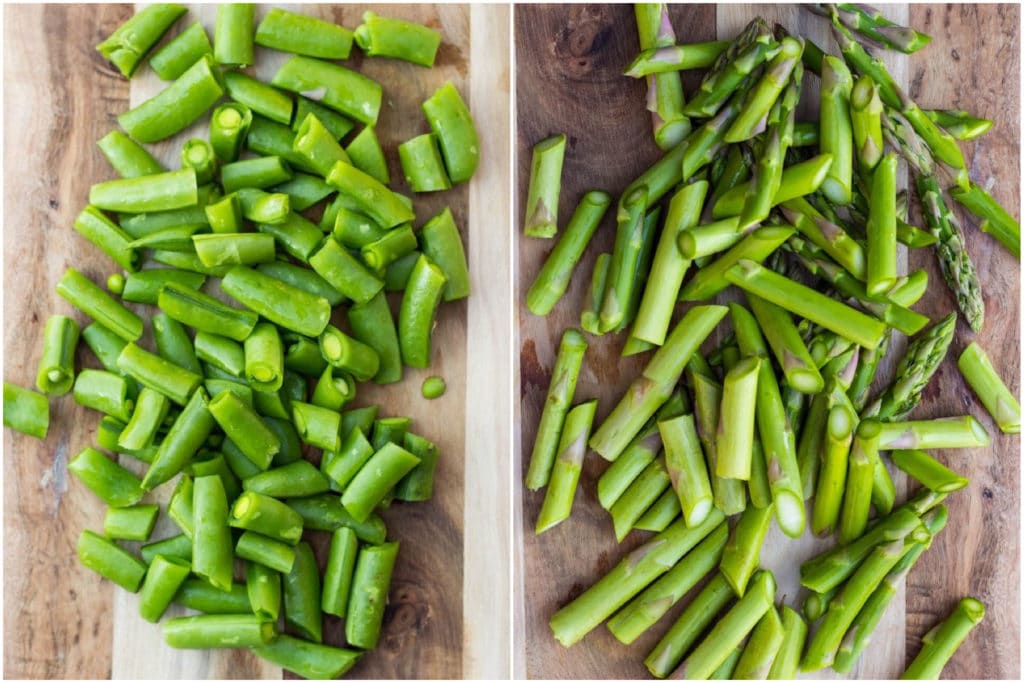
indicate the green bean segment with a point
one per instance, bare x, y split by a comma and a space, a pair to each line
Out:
175, 107
341, 89
89, 298
233, 34
373, 481
110, 561
26, 411
383, 37
451, 122
277, 301
297, 33
163, 579
128, 44
181, 52
218, 631
370, 585
419, 308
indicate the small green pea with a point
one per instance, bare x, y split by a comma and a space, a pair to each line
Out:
115, 284
433, 387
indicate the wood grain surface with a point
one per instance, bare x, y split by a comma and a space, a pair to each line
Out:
60, 97
569, 61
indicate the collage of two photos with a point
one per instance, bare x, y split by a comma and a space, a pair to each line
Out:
508, 341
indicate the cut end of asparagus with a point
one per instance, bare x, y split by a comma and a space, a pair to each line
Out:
790, 513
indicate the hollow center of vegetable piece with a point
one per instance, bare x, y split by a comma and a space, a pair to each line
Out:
242, 506
332, 347
262, 373
229, 118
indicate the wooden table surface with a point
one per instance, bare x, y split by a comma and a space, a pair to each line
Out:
445, 618
569, 61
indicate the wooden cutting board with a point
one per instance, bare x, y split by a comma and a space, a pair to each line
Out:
60, 97
569, 61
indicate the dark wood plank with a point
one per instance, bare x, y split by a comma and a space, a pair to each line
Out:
569, 61
59, 98
973, 64
569, 79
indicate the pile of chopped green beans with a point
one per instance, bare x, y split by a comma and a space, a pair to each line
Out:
296, 226
805, 220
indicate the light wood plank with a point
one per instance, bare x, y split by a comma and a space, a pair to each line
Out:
486, 578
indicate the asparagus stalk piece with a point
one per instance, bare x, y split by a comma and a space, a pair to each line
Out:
762, 96
720, 83
843, 609
812, 439
664, 90
648, 607
730, 630
999, 401
930, 472
692, 622
590, 318
742, 553
942, 144
669, 266
787, 660
664, 511
859, 633
995, 220
565, 475
954, 260
788, 347
816, 604
827, 235
710, 279
798, 180
768, 173
919, 363
687, 470
946, 432
867, 367
560, 392
621, 273
553, 278
776, 433
942, 642
881, 228
676, 58
959, 123
735, 434
729, 494
655, 384
860, 477
909, 289
639, 454
758, 487
545, 186
830, 569
641, 268
870, 23
841, 423
866, 118
726, 670
710, 238
635, 572
640, 495
837, 129
761, 649
818, 263
807, 303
